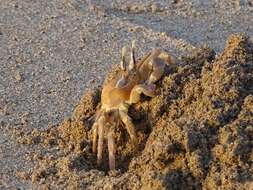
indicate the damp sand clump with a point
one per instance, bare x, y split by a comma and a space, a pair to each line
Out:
196, 134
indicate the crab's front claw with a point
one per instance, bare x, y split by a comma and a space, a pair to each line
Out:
157, 66
159, 59
146, 89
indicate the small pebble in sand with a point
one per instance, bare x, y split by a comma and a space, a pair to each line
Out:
156, 7
137, 8
18, 76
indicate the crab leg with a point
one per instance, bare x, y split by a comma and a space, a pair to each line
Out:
129, 125
111, 149
146, 89
95, 132
94, 138
101, 123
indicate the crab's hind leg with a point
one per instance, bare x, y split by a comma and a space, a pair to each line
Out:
129, 125
94, 137
111, 149
146, 89
95, 132
101, 123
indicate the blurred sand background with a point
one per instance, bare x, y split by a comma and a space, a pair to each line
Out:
51, 51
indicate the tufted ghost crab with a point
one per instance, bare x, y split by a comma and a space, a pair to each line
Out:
119, 93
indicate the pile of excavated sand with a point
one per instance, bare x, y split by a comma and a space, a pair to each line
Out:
196, 134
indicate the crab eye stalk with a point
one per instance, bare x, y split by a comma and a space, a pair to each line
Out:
123, 58
132, 59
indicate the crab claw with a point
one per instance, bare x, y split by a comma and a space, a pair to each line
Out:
157, 66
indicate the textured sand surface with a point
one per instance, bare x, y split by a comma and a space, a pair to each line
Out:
50, 52
196, 133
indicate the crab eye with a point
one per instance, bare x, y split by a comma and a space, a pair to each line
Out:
123, 59
132, 59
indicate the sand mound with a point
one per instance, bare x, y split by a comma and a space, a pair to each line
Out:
196, 134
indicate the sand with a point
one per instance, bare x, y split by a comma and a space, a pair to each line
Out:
196, 134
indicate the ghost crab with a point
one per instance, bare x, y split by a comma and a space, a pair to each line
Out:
120, 92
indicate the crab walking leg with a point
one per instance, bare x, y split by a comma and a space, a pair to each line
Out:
95, 132
111, 149
157, 66
101, 123
146, 89
129, 125
95, 136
